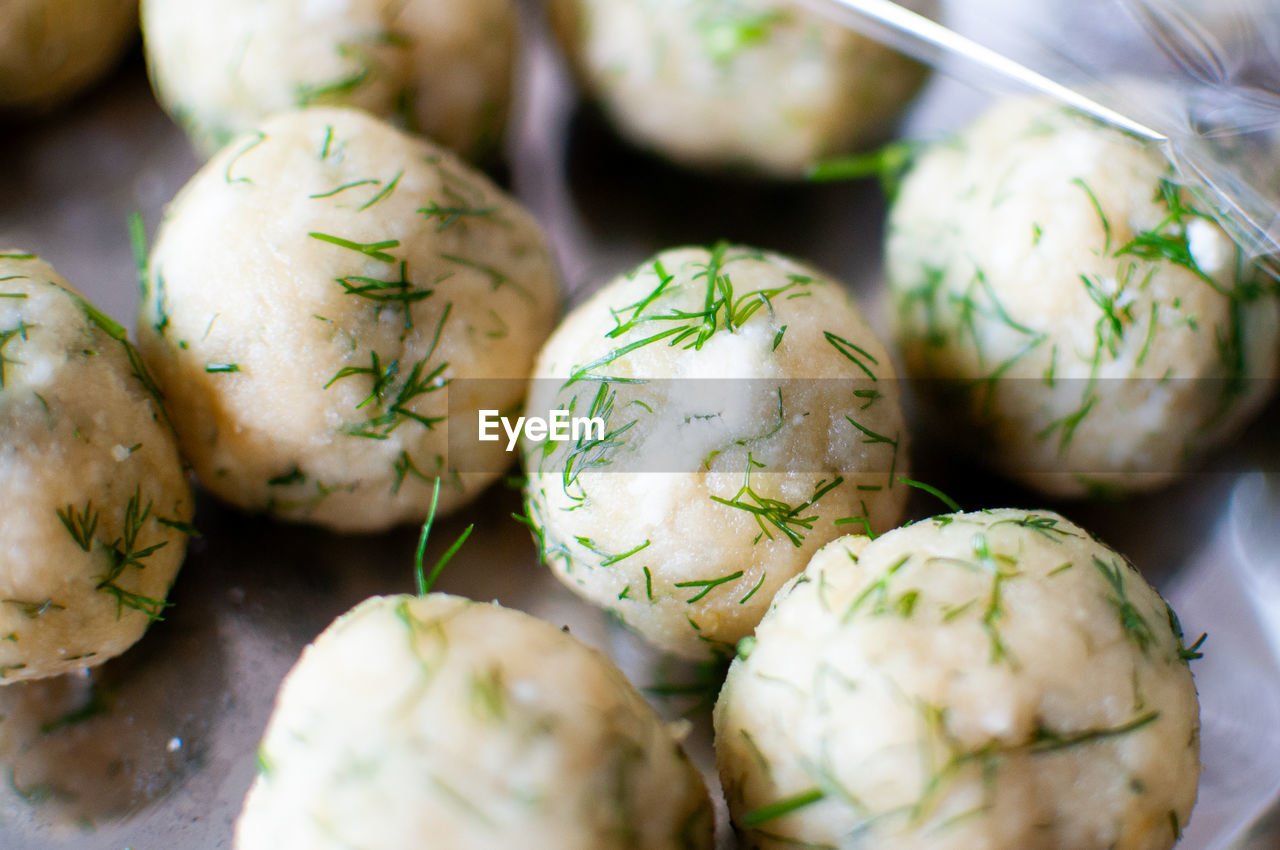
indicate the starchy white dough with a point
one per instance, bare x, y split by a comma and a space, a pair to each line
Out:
443, 67
94, 505
468, 726
1085, 316
52, 49
759, 427
760, 84
313, 290
995, 680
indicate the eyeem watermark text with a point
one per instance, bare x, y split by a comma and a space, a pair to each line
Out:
558, 427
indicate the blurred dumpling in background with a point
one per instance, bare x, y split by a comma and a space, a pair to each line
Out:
440, 67
52, 49
764, 86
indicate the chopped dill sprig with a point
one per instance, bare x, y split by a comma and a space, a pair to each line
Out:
854, 353
425, 581
124, 552
258, 138
707, 585
1132, 622
344, 187
888, 164
20, 332
372, 250
951, 503
35, 609
215, 368
80, 526
454, 211
767, 512
783, 807
752, 592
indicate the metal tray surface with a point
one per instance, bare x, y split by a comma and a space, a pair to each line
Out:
156, 749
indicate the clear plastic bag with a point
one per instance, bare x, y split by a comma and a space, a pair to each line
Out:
1200, 78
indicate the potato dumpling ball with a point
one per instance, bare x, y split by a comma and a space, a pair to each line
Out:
456, 724
1073, 309
442, 68
313, 293
52, 49
763, 85
748, 415
997, 679
94, 505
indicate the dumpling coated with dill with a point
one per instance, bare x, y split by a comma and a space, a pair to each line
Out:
52, 49
1075, 313
442, 68
747, 414
94, 504
996, 679
314, 290
764, 85
415, 721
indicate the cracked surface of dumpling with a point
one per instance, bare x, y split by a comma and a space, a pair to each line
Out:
466, 725
52, 49
747, 408
442, 67
312, 292
764, 85
996, 679
94, 504
1075, 313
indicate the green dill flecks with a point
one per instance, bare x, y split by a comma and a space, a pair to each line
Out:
613, 559
648, 584
707, 585
1168, 240
258, 138
344, 187
754, 588
588, 451
404, 467
488, 695
1037, 232
32, 610
781, 808
726, 31
952, 504
854, 353
455, 211
497, 278
124, 552
138, 244
6, 337
1058, 570
877, 594
1175, 825
1067, 425
372, 250
180, 526
394, 410
777, 338
308, 94
788, 519
383, 193
424, 582
215, 368
1102, 216
16, 256
1046, 740
721, 310
80, 526
1132, 623
287, 479
1044, 526
887, 163
1186, 654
